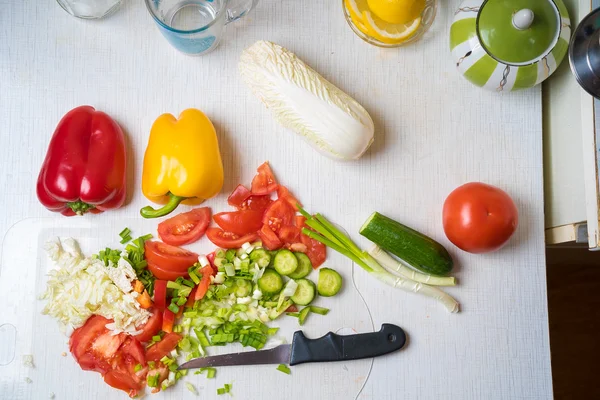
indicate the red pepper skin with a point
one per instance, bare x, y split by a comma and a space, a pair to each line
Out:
85, 166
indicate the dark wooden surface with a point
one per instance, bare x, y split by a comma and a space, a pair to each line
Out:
574, 312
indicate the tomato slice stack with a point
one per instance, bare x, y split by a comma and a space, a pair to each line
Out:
258, 215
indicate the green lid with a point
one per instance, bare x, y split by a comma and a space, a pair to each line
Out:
518, 31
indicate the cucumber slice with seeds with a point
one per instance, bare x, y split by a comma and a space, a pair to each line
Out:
304, 266
330, 282
261, 257
243, 288
305, 292
285, 262
270, 283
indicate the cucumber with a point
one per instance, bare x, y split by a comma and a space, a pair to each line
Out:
330, 282
303, 315
243, 288
305, 292
412, 247
304, 266
261, 257
270, 283
285, 262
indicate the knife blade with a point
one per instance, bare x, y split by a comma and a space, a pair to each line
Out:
331, 347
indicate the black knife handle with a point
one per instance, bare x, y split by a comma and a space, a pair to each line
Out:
332, 347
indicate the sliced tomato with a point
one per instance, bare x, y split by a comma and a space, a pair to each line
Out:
238, 196
164, 347
132, 352
186, 227
82, 338
239, 222
264, 182
296, 247
228, 240
279, 214
167, 257
168, 320
256, 203
211, 260
160, 294
300, 221
192, 297
152, 326
165, 274
315, 250
289, 234
284, 193
125, 381
269, 239
202, 287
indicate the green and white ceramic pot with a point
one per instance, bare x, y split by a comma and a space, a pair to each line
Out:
505, 45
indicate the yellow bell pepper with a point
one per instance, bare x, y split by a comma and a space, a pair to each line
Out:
182, 162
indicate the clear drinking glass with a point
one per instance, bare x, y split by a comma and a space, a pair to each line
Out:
89, 9
195, 27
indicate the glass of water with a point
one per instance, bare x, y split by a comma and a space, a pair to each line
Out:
89, 9
195, 27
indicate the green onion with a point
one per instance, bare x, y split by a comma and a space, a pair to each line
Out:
173, 367
153, 380
137, 368
188, 283
191, 388
125, 232
156, 338
146, 237
151, 364
293, 314
221, 391
319, 310
125, 239
178, 329
181, 301
332, 237
194, 277
173, 308
272, 331
284, 368
220, 253
230, 254
173, 285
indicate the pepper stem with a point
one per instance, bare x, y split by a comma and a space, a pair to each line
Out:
79, 207
149, 212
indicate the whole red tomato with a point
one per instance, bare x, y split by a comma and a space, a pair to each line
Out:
479, 218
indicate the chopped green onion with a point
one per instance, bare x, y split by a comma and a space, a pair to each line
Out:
125, 239
284, 368
230, 254
191, 388
173, 308
272, 331
173, 285
181, 301
146, 237
211, 372
220, 253
153, 380
173, 367
221, 391
125, 232
137, 368
194, 277
293, 314
178, 328
188, 283
156, 338
151, 364
319, 310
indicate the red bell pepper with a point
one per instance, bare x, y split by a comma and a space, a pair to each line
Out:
85, 165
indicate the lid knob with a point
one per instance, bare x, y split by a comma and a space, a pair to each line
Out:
523, 19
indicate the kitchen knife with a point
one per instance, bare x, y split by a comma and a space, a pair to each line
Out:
330, 347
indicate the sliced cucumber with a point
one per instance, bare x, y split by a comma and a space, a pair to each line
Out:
330, 282
261, 257
305, 292
285, 262
304, 266
270, 283
303, 315
243, 288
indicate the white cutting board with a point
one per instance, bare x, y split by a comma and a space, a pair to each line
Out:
23, 330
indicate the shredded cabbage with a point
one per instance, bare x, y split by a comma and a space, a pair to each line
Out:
83, 286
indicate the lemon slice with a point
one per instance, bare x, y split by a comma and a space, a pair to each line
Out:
390, 33
353, 9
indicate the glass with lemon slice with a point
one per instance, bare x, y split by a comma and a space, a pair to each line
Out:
389, 23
